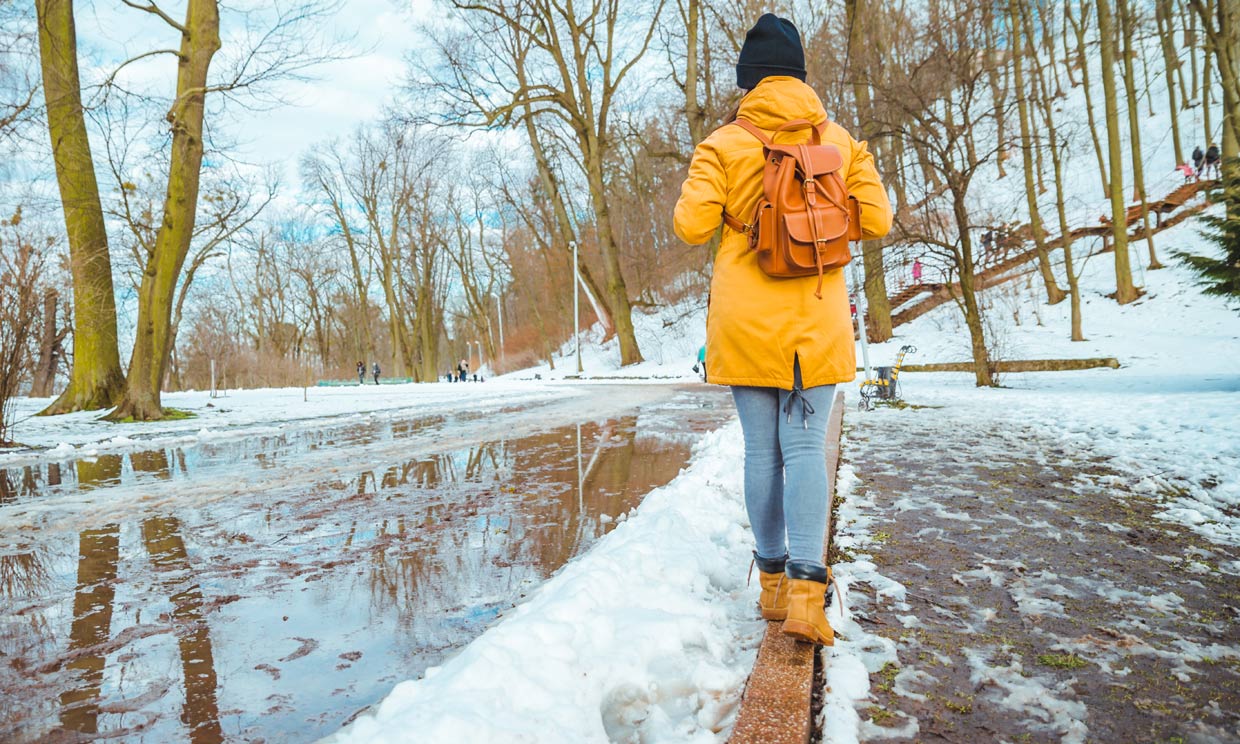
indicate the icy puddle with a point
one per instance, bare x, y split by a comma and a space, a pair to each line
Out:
166, 599
1038, 598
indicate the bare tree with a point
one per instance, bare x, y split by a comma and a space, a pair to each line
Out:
21, 276
279, 44
934, 99
1125, 291
1021, 38
19, 86
96, 379
560, 65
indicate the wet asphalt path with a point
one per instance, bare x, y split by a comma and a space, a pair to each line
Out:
268, 588
1045, 602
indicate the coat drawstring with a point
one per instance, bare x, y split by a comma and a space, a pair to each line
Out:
807, 409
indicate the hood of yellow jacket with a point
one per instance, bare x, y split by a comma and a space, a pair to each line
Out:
781, 99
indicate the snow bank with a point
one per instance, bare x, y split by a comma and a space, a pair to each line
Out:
647, 637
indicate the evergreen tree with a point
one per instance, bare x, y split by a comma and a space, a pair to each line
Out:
1221, 276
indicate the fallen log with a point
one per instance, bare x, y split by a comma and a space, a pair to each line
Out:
1018, 365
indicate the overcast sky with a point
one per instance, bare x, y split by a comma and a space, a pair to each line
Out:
341, 95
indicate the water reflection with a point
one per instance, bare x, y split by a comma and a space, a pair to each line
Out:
98, 553
201, 715
290, 610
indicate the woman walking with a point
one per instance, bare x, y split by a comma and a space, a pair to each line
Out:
780, 348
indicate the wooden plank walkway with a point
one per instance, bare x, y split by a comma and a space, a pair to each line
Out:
775, 708
1003, 271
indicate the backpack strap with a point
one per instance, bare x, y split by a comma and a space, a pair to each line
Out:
749, 126
793, 125
734, 223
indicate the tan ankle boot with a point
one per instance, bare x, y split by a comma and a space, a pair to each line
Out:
806, 619
773, 601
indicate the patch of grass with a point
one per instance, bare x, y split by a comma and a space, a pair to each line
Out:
888, 675
1062, 661
170, 414
881, 537
963, 708
879, 716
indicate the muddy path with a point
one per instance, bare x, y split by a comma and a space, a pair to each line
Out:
1043, 601
268, 589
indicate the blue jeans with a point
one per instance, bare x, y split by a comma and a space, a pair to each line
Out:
786, 468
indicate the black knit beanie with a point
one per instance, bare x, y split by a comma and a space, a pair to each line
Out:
772, 47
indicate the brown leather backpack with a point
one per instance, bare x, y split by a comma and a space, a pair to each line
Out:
805, 218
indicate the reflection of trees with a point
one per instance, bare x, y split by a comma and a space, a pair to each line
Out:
104, 470
98, 551
162, 538
151, 461
23, 574
476, 546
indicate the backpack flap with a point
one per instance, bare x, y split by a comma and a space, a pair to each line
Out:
813, 160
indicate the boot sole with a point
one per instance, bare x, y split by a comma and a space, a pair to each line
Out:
774, 614
806, 633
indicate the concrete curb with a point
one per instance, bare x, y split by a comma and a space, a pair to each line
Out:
775, 707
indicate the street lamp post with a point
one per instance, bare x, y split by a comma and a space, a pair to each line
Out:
862, 306
576, 314
499, 303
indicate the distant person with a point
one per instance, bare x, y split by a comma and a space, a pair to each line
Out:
1199, 159
361, 373
375, 370
916, 271
702, 362
988, 240
781, 344
475, 377
1187, 171
1212, 160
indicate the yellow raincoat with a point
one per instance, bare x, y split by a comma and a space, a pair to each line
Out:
757, 325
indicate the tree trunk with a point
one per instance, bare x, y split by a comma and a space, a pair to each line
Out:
693, 108
1125, 292
551, 189
1054, 294
199, 42
1079, 29
96, 379
49, 349
617, 291
879, 304
1134, 128
1223, 37
982, 376
1166, 28
1206, 69
1074, 286
1190, 41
